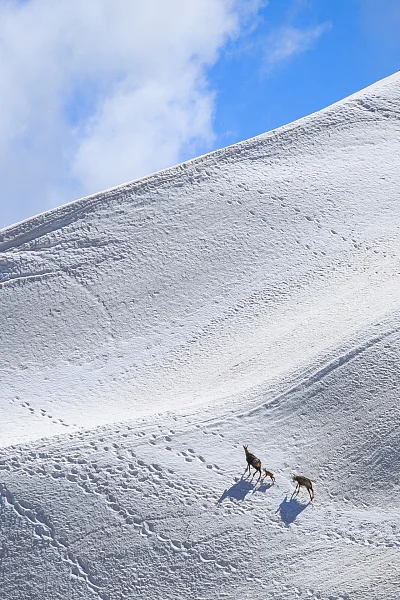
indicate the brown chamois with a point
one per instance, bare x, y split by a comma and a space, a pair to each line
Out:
268, 474
301, 481
252, 461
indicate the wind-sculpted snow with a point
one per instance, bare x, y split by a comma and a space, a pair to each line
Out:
250, 296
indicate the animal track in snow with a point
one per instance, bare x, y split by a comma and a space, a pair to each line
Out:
190, 456
144, 527
41, 412
44, 530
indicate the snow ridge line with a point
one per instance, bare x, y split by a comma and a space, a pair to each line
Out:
321, 373
327, 369
46, 532
32, 277
50, 221
306, 382
47, 222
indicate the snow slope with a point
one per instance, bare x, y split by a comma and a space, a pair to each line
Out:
248, 296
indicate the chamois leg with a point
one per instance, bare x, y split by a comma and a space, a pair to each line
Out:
259, 476
311, 492
256, 471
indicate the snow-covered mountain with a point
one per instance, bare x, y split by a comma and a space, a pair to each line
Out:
250, 296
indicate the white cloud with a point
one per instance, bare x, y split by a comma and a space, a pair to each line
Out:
97, 92
288, 41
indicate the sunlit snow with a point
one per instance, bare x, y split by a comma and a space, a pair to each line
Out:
250, 296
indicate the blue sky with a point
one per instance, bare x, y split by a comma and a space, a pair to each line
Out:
98, 93
359, 45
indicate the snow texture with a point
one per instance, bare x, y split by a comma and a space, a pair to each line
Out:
250, 296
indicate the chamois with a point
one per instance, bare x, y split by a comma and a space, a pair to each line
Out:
268, 474
252, 461
301, 481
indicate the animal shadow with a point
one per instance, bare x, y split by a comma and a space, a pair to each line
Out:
238, 491
263, 487
290, 509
